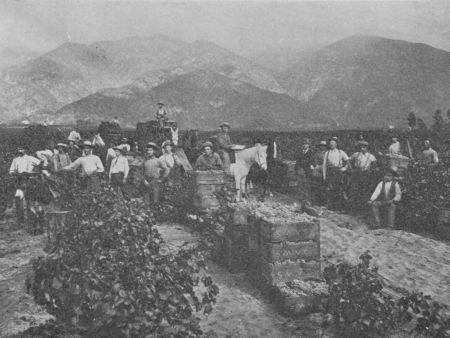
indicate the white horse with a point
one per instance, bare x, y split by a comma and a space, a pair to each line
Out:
244, 160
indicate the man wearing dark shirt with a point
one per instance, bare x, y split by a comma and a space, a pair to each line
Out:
304, 166
208, 160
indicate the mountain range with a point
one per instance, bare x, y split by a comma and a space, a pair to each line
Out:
360, 81
73, 71
368, 81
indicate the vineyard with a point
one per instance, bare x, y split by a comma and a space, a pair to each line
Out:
107, 275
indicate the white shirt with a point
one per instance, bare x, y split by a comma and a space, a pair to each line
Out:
333, 158
23, 164
363, 161
45, 156
168, 159
74, 136
394, 148
120, 165
174, 134
387, 187
90, 164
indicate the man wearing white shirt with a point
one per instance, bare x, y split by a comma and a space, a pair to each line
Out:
386, 196
335, 162
23, 163
118, 172
362, 163
74, 136
90, 165
394, 148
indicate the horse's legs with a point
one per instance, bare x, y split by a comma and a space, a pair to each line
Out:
243, 187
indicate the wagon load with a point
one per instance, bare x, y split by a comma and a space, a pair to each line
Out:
110, 132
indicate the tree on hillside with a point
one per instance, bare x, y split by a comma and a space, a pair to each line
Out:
421, 125
412, 121
448, 115
439, 122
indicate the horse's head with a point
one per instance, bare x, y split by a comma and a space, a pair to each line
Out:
261, 155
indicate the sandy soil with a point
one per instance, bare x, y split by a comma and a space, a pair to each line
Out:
17, 309
405, 260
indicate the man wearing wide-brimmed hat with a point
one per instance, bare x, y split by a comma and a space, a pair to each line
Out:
90, 164
362, 164
304, 165
335, 163
154, 171
385, 198
208, 160
73, 150
119, 169
61, 159
161, 114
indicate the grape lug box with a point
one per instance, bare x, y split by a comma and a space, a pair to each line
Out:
296, 305
277, 252
280, 272
289, 231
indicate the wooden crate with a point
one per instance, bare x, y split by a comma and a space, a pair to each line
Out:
279, 252
210, 177
289, 231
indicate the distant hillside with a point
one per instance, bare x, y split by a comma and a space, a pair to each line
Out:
200, 99
367, 81
73, 71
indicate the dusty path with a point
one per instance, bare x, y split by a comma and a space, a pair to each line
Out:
17, 309
240, 310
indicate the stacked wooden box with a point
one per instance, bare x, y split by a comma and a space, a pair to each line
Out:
206, 185
235, 245
284, 251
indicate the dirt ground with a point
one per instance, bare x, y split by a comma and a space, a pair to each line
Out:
405, 260
17, 309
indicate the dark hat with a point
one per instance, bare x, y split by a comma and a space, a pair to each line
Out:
152, 145
207, 144
161, 103
225, 124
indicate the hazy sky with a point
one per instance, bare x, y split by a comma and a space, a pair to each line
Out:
246, 27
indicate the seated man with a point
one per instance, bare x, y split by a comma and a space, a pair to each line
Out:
208, 160
386, 196
161, 114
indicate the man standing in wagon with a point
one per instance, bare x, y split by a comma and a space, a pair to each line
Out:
224, 145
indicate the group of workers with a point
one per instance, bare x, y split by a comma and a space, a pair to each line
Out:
326, 175
329, 176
